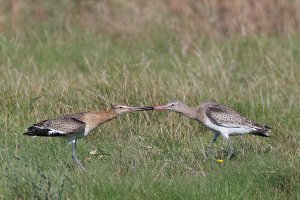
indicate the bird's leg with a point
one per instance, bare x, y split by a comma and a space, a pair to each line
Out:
230, 149
216, 135
77, 162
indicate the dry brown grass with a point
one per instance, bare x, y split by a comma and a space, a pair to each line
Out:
189, 18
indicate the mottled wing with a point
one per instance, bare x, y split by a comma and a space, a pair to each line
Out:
226, 117
61, 126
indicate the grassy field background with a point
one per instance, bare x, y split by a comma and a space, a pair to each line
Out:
62, 57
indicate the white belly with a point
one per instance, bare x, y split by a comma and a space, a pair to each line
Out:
87, 130
212, 126
226, 131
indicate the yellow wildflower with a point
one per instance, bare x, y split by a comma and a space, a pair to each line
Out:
220, 161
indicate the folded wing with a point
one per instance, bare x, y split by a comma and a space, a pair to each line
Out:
61, 126
226, 117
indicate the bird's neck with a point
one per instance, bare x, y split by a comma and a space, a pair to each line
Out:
100, 117
190, 112
107, 115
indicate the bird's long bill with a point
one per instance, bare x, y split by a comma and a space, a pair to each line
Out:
162, 107
141, 108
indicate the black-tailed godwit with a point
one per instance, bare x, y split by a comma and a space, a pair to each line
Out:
219, 119
76, 126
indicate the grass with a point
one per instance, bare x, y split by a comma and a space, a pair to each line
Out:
48, 72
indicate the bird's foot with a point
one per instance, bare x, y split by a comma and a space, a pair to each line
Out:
230, 155
79, 165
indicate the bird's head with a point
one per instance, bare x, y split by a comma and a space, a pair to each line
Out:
177, 106
120, 109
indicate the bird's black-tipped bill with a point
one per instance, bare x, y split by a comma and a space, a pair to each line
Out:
142, 108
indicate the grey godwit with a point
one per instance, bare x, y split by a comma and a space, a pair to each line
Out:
76, 126
220, 119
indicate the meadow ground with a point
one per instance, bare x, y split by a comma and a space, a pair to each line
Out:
48, 72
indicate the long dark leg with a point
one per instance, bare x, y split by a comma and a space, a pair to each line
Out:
77, 162
216, 135
230, 149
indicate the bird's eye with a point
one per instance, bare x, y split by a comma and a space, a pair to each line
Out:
120, 107
172, 105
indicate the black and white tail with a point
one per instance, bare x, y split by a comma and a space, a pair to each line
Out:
262, 130
40, 131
